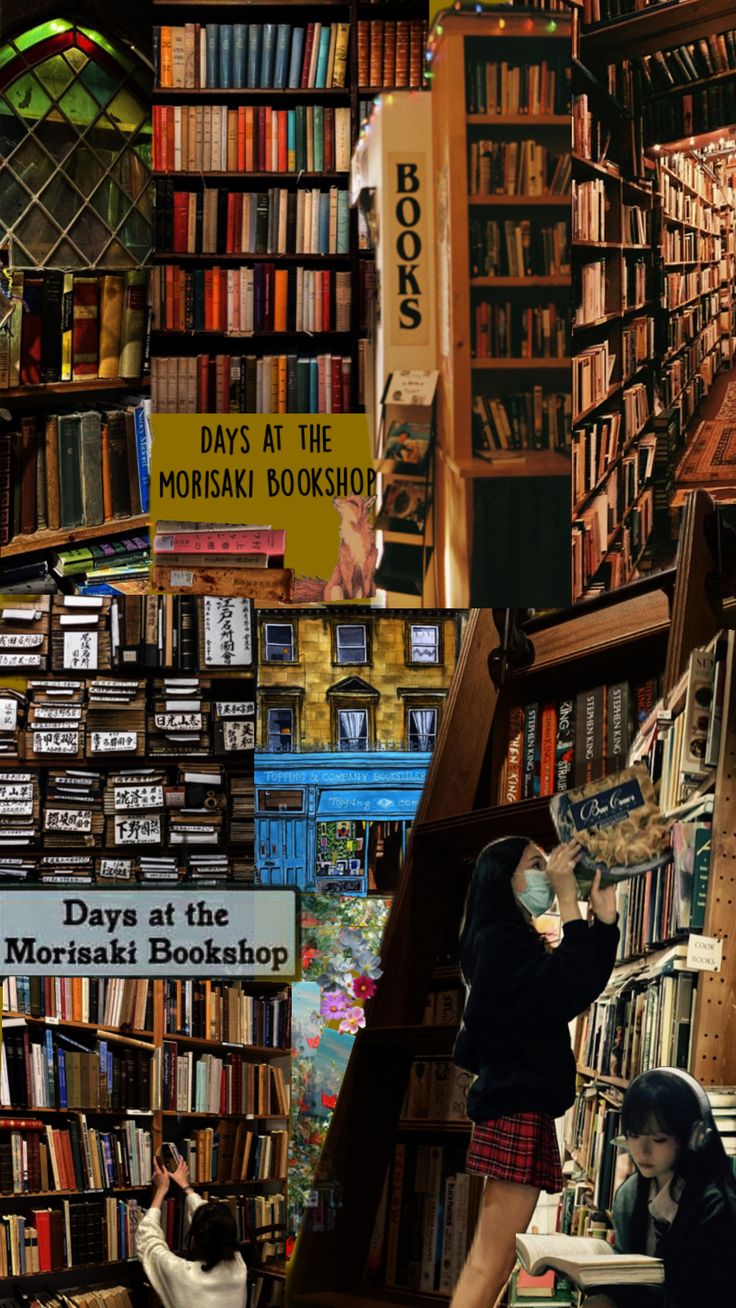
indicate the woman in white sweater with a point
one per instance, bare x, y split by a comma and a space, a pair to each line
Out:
214, 1276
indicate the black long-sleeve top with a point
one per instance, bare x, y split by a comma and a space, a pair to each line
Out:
515, 1032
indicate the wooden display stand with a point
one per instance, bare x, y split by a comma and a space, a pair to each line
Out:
649, 628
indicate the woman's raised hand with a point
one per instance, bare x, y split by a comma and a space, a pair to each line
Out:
181, 1174
161, 1178
603, 902
560, 870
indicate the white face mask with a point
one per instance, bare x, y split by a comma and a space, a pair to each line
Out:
538, 896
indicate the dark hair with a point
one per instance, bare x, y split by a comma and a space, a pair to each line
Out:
490, 898
213, 1234
666, 1102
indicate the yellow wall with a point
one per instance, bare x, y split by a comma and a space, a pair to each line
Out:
315, 671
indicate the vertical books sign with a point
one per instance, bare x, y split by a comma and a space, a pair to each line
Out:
408, 251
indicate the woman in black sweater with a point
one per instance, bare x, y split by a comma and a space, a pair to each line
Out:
680, 1204
515, 1037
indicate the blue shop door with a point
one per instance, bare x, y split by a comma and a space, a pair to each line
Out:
282, 852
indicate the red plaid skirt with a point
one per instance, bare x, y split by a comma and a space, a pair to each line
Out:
521, 1148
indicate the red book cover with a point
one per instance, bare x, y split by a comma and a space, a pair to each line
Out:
514, 755
180, 221
308, 42
84, 328
203, 383
269, 131
209, 299
28, 477
336, 383
168, 111
263, 167
250, 130
156, 153
230, 247
42, 1223
283, 148
268, 272
346, 406
329, 140
547, 750
30, 335
244, 540
328, 313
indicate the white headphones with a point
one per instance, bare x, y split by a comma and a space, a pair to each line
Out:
703, 1127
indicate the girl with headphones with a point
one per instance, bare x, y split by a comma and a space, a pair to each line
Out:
680, 1204
214, 1276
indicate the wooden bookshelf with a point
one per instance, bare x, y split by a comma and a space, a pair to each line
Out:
43, 540
161, 1123
645, 629
466, 493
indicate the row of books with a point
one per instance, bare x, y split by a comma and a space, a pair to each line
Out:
277, 221
705, 110
229, 56
211, 633
591, 136
436, 1091
680, 205
681, 287
426, 1219
592, 376
264, 298
38, 1158
594, 290
49, 1069
514, 88
74, 470
68, 867
514, 248
590, 212
554, 746
636, 224
637, 345
590, 1128
74, 327
606, 548
680, 246
391, 54
520, 168
682, 740
642, 1022
532, 420
108, 1296
274, 383
634, 284
692, 62
50, 1239
111, 1001
251, 139
227, 1084
222, 1011
669, 901
595, 447
511, 330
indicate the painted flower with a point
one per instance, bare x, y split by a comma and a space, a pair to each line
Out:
350, 938
308, 957
313, 1041
333, 1005
364, 987
328, 1101
352, 1021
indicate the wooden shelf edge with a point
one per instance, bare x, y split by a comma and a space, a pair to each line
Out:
49, 539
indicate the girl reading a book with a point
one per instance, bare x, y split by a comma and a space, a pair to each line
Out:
680, 1203
515, 1037
214, 1275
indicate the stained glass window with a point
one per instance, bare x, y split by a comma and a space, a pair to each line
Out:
75, 150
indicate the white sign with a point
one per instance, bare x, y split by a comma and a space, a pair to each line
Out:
116, 867
227, 632
56, 742
21, 615
28, 640
11, 791
80, 649
58, 712
238, 709
16, 808
179, 721
137, 831
110, 742
178, 577
238, 735
82, 601
8, 714
236, 933
132, 797
704, 953
67, 819
20, 660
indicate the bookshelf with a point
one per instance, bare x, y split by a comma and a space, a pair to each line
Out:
645, 631
504, 393
75, 256
118, 786
99, 1151
321, 296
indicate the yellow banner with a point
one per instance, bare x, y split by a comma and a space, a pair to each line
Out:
289, 472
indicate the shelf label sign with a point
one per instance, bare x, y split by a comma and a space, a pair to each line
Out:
407, 250
704, 953
240, 933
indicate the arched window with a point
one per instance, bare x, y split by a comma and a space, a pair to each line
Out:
75, 150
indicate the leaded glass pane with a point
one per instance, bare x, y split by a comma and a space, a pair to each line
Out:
110, 203
127, 112
55, 74
41, 33
90, 234
38, 234
101, 83
137, 234
78, 105
116, 255
32, 164
57, 135
84, 168
12, 131
13, 200
130, 173
61, 199
67, 255
77, 58
106, 139
28, 98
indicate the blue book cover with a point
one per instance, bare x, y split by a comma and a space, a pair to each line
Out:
319, 138
213, 47
226, 56
313, 387
297, 47
255, 42
61, 1065
50, 1076
291, 131
269, 51
302, 386
320, 76
343, 223
142, 450
281, 61
323, 230
99, 588
240, 46
104, 1084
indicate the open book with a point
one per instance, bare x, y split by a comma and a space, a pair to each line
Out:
587, 1262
